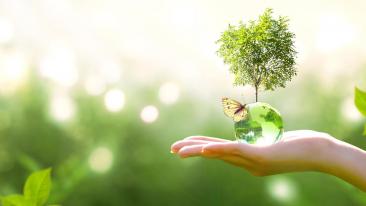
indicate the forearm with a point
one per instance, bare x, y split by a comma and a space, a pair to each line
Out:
346, 162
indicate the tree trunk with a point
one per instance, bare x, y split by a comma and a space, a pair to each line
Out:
256, 93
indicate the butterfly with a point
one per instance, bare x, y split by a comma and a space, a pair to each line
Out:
234, 109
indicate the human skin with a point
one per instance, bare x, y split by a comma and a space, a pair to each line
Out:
301, 150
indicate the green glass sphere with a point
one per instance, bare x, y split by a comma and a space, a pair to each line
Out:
262, 126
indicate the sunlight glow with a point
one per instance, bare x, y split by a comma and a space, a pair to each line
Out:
59, 65
111, 71
114, 100
334, 32
62, 107
6, 31
169, 93
101, 160
149, 114
13, 69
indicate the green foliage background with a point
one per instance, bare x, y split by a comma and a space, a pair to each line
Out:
144, 172
155, 45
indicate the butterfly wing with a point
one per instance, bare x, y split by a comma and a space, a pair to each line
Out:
240, 115
234, 109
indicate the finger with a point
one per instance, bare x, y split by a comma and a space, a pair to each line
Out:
226, 148
179, 144
190, 151
232, 148
235, 160
212, 139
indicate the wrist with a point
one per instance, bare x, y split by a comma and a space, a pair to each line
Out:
346, 162
324, 151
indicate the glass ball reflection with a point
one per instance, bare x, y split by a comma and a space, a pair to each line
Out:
263, 125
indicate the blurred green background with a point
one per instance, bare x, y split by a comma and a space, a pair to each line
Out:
99, 90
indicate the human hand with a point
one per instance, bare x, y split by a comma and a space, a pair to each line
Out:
302, 150
298, 151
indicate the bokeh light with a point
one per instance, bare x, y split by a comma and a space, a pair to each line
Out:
282, 189
62, 107
169, 93
15, 66
349, 110
59, 65
78, 76
101, 159
149, 114
13, 70
114, 100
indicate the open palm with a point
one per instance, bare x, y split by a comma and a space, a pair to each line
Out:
298, 151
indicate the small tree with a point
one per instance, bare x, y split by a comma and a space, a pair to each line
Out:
260, 53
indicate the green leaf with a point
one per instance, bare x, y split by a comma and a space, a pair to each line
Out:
15, 200
37, 187
360, 100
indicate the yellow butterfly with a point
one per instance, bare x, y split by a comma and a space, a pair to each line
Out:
234, 109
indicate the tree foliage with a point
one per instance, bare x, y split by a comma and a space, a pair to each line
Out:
260, 53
